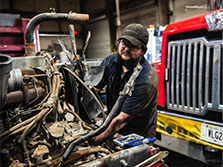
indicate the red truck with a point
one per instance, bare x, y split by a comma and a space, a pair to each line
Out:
190, 101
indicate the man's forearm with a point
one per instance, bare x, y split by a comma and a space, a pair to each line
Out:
113, 128
117, 123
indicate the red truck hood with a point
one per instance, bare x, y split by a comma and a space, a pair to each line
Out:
193, 23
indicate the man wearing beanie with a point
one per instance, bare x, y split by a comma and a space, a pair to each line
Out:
138, 113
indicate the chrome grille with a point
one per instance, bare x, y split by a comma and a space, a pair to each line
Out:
195, 81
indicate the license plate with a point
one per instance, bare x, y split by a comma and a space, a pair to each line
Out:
212, 134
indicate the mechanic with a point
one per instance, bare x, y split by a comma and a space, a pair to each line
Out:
138, 113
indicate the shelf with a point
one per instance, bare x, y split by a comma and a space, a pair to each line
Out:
12, 48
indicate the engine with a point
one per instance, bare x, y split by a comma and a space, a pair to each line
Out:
37, 121
48, 110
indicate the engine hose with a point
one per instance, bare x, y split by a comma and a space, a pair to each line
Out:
13, 133
37, 105
37, 130
127, 90
77, 116
23, 113
71, 17
78, 154
68, 105
59, 109
17, 126
89, 136
28, 129
50, 105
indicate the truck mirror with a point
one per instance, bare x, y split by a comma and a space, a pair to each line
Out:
157, 31
211, 5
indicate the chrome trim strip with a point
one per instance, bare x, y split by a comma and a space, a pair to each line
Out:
178, 72
189, 77
200, 81
207, 75
183, 75
194, 78
168, 83
172, 84
216, 77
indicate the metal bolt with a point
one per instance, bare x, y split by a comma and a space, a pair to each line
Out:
123, 163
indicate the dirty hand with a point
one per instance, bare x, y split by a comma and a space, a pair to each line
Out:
91, 142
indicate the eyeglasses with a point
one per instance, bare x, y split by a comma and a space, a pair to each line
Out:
125, 43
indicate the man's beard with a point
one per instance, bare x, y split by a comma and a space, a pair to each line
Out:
127, 63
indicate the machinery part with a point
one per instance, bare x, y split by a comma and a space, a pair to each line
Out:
39, 132
78, 154
118, 159
213, 155
88, 102
49, 106
65, 51
126, 91
72, 39
86, 74
24, 96
94, 75
6, 67
71, 17
5, 156
23, 114
154, 159
86, 44
28, 62
73, 130
98, 106
15, 81
41, 154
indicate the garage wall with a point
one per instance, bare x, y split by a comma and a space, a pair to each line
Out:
92, 6
193, 8
99, 44
145, 16
100, 47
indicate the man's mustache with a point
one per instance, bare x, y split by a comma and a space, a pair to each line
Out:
124, 52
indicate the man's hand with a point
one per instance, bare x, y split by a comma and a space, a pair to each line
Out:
117, 124
96, 89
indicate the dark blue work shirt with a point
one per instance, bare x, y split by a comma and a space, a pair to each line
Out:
143, 102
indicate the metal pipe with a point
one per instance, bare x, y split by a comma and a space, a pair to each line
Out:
20, 96
6, 67
71, 17
78, 154
15, 82
118, 21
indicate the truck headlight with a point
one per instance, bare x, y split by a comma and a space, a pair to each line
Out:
214, 21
